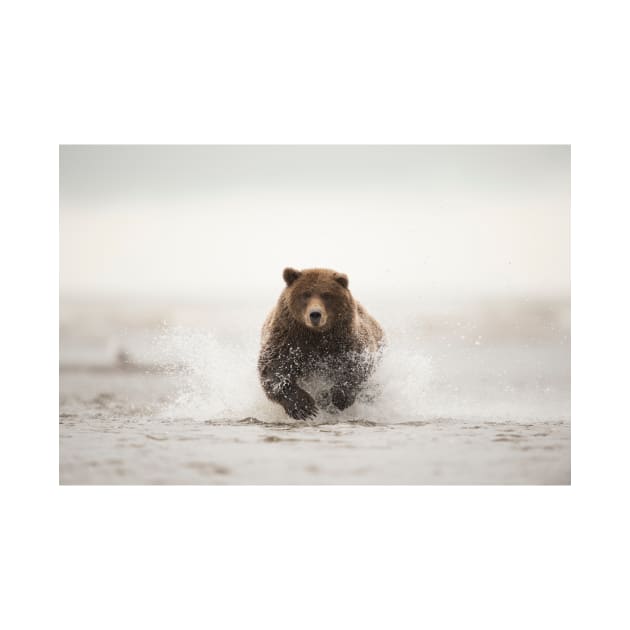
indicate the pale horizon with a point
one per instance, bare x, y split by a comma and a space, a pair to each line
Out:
206, 223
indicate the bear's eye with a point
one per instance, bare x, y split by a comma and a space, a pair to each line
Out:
306, 295
326, 296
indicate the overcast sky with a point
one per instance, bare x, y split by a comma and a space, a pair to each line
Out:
203, 222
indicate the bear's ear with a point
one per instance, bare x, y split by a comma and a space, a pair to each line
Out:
290, 275
342, 279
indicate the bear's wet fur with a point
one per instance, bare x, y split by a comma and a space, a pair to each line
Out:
317, 329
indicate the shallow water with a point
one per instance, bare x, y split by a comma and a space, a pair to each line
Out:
467, 395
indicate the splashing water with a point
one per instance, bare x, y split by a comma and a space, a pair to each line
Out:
218, 380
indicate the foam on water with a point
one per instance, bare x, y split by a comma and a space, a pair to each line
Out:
218, 380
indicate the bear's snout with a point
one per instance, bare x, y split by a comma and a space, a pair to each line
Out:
315, 315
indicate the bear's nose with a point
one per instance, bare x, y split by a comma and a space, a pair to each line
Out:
315, 317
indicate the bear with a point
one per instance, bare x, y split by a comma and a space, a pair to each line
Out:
317, 329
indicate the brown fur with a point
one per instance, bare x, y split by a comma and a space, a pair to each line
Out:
344, 343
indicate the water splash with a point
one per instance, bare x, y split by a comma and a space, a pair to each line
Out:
217, 379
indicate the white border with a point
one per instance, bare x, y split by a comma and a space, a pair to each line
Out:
342, 72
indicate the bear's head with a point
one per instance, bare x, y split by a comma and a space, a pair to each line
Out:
318, 298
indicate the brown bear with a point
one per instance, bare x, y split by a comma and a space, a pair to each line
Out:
317, 329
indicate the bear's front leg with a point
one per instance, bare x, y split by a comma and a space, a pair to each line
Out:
350, 375
280, 386
297, 403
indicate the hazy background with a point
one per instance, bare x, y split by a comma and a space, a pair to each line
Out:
207, 222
